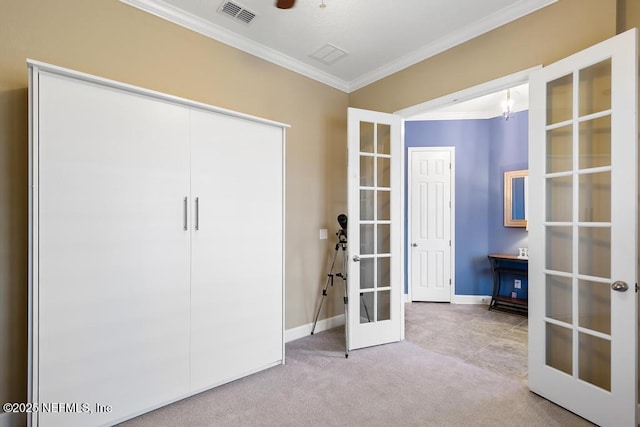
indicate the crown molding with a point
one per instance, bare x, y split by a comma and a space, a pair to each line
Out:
184, 19
498, 19
189, 21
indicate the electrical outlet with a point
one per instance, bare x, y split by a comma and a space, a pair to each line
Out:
324, 233
517, 284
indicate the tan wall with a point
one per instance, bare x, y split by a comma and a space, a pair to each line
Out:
110, 39
628, 14
539, 38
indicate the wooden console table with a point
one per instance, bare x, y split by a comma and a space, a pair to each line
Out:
509, 264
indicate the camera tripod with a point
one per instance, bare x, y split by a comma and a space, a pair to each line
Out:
341, 245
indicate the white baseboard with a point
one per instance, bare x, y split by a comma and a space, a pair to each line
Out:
471, 299
304, 330
12, 420
332, 322
463, 299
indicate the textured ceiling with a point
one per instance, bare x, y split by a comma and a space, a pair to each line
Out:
379, 37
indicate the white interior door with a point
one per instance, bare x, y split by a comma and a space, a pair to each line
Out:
583, 232
430, 213
375, 309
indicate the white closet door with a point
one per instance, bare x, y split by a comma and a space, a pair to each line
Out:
237, 248
113, 283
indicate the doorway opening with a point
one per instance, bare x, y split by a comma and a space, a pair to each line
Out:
483, 143
486, 142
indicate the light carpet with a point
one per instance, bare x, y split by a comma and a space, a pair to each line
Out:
400, 384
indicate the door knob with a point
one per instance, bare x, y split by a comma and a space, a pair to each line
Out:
415, 245
356, 258
620, 286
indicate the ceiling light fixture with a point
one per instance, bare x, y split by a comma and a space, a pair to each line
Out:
507, 106
322, 5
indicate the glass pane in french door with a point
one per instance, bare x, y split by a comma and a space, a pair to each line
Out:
578, 225
375, 223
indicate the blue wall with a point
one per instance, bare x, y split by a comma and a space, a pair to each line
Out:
508, 151
485, 149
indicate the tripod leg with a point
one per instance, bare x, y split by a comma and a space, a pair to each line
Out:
366, 310
324, 290
346, 301
346, 320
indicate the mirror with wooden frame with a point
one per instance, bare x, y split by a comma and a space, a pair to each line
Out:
515, 198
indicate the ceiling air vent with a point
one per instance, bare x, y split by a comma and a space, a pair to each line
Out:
328, 54
236, 11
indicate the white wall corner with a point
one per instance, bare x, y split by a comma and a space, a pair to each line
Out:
305, 330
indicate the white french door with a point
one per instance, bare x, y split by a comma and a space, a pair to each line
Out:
583, 232
375, 309
430, 213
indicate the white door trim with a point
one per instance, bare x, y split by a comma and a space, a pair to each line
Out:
452, 153
469, 93
451, 99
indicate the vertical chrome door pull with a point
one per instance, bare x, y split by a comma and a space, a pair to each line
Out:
197, 213
184, 213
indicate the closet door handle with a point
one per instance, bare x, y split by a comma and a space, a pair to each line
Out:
184, 214
197, 213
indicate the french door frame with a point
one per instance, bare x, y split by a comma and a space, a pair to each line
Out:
463, 95
386, 330
564, 382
